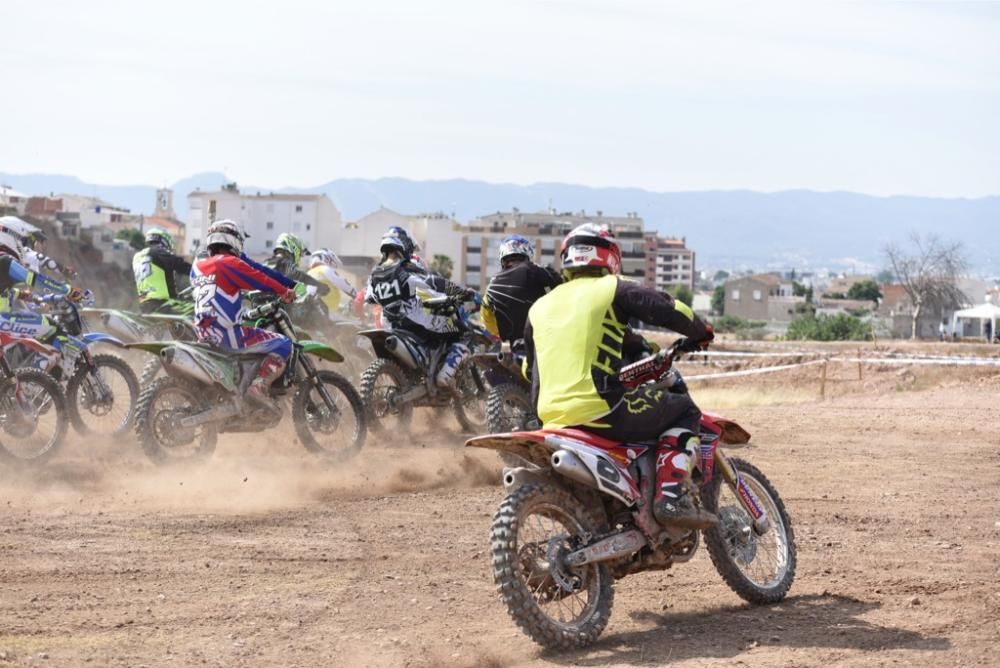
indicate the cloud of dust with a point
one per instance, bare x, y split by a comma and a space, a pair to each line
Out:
247, 473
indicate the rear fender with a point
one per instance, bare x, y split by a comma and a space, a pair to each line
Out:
529, 446
321, 350
378, 337
100, 337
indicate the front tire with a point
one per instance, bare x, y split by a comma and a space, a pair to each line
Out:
161, 406
541, 595
89, 412
760, 569
312, 418
33, 425
381, 382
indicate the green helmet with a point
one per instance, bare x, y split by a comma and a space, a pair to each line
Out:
158, 236
291, 244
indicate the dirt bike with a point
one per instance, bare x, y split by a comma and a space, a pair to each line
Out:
508, 403
181, 414
578, 516
101, 389
402, 376
33, 416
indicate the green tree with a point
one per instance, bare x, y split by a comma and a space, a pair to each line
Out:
839, 327
681, 293
720, 276
133, 236
442, 265
885, 276
867, 290
719, 300
798, 289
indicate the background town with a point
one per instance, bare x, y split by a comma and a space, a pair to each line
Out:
957, 300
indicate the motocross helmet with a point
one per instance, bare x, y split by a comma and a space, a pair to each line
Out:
411, 243
26, 233
10, 243
591, 246
292, 245
515, 246
225, 235
160, 238
324, 256
393, 243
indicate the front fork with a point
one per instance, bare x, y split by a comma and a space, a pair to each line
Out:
749, 500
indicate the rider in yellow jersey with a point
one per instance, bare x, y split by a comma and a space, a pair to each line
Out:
323, 265
574, 341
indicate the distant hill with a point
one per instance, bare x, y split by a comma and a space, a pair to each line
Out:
797, 228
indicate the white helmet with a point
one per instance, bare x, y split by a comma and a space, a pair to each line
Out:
225, 233
324, 256
10, 243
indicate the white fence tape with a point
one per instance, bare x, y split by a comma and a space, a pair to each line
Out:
753, 372
728, 353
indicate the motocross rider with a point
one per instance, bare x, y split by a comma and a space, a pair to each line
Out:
154, 268
400, 286
288, 250
13, 273
512, 292
323, 265
574, 344
218, 283
32, 244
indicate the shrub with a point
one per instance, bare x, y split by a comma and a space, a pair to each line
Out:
839, 327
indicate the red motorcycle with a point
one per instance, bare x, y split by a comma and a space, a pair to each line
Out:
578, 516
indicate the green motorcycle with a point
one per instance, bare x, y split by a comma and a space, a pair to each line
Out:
180, 415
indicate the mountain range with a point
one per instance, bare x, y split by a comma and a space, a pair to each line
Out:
800, 229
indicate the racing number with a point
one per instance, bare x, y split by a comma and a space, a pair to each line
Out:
143, 271
385, 291
608, 472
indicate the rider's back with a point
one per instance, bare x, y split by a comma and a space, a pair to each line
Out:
577, 343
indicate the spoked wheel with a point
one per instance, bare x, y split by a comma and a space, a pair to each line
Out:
33, 418
330, 418
508, 408
162, 406
381, 383
558, 606
102, 400
760, 568
471, 392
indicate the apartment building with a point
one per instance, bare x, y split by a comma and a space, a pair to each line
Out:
264, 216
669, 262
482, 237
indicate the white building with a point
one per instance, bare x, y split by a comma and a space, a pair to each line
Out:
12, 199
669, 262
93, 211
545, 230
313, 218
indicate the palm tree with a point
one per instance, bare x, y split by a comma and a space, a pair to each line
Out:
442, 264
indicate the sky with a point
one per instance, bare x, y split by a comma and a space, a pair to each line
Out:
874, 97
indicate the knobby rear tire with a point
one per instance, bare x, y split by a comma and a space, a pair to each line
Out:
516, 593
145, 422
385, 367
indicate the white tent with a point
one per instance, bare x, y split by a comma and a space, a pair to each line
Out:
984, 313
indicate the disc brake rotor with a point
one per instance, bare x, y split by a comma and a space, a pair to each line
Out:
739, 533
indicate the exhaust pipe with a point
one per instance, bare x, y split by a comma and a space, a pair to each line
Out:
400, 351
568, 464
181, 363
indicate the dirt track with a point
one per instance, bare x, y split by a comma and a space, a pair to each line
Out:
262, 558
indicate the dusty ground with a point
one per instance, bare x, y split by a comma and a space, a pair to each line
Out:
263, 558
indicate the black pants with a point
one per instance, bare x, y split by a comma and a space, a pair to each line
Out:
644, 414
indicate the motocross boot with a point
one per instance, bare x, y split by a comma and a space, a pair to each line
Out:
271, 367
672, 503
457, 353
